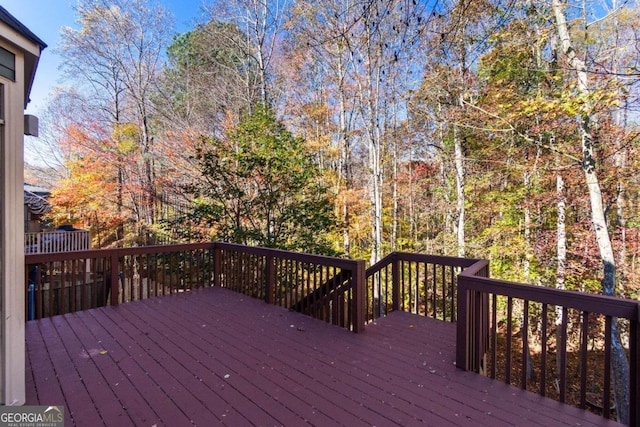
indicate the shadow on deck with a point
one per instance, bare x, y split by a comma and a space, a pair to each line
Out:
212, 356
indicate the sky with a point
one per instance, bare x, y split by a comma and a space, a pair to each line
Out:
45, 18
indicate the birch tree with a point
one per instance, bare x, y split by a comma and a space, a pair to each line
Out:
620, 364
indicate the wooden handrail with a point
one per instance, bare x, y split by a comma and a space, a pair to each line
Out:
398, 267
140, 272
337, 290
338, 297
476, 331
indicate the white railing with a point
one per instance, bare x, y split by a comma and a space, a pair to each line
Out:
57, 241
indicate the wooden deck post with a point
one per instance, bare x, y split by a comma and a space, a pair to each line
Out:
462, 325
114, 275
395, 279
634, 374
358, 279
216, 265
269, 296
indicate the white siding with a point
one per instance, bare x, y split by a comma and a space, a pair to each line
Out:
12, 348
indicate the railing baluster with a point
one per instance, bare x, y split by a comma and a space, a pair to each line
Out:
75, 277
336, 297
477, 330
100, 269
409, 286
395, 285
444, 291
425, 290
434, 293
248, 274
291, 281
136, 275
525, 344
543, 356
62, 294
509, 334
383, 289
563, 355
39, 289
634, 369
50, 277
300, 281
113, 271
317, 278
494, 333
584, 338
606, 399
452, 293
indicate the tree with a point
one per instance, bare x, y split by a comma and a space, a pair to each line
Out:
87, 195
598, 216
208, 78
260, 22
260, 186
115, 57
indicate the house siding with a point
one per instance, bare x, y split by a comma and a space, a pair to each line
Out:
12, 280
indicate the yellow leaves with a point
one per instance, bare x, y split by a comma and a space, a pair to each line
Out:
126, 137
569, 103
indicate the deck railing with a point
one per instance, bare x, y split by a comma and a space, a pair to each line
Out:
326, 288
57, 241
60, 283
555, 343
416, 283
65, 282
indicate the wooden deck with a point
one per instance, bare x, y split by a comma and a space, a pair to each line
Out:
215, 357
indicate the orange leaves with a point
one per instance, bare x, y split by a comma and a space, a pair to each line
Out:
87, 190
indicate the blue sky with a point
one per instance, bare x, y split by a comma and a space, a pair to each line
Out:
46, 17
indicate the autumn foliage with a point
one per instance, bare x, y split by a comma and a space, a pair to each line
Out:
412, 115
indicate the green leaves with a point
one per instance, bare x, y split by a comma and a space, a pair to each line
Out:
260, 186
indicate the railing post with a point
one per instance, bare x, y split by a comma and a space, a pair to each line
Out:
358, 284
216, 265
634, 386
462, 325
114, 275
269, 296
395, 279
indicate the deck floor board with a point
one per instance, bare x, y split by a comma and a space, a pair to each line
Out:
215, 357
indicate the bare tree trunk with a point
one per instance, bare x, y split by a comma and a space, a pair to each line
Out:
345, 169
561, 250
527, 178
620, 364
413, 229
394, 227
460, 187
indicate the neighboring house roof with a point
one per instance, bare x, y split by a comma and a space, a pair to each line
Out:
30, 60
36, 198
12, 22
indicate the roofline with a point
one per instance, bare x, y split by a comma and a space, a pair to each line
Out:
19, 27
